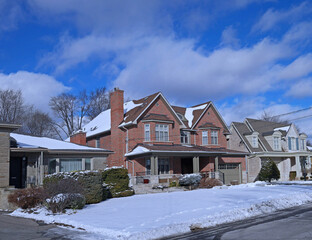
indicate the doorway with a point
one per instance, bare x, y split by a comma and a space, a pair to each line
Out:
18, 172
186, 165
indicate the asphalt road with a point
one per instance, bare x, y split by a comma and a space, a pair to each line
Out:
14, 228
289, 224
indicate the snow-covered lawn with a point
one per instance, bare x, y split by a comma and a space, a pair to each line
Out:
156, 215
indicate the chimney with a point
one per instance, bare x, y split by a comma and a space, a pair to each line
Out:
116, 104
79, 137
117, 135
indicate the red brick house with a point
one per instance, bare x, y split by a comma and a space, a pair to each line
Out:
152, 138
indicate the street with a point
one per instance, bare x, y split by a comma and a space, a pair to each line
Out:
291, 224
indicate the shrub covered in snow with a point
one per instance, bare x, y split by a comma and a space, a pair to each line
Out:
190, 179
116, 181
27, 198
89, 181
62, 201
269, 171
209, 183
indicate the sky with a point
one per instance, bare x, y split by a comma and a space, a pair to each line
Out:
247, 56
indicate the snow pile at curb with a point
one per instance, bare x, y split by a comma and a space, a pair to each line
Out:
153, 216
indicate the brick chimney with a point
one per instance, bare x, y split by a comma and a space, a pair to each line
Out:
79, 138
117, 135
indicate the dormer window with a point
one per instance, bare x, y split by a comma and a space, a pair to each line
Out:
185, 137
302, 144
254, 141
276, 143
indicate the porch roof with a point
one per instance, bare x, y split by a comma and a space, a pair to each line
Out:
180, 150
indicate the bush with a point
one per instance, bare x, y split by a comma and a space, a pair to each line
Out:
209, 183
27, 198
62, 201
269, 171
89, 181
174, 184
190, 179
62, 186
116, 182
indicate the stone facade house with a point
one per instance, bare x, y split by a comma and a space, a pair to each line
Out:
157, 141
265, 141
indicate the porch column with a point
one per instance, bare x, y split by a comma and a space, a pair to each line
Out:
195, 164
298, 167
154, 165
216, 163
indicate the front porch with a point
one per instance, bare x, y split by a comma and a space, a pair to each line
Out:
166, 164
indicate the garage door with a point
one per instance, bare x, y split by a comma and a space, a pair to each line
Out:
230, 172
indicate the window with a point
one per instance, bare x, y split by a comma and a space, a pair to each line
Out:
185, 137
293, 143
214, 137
147, 132
69, 165
302, 144
205, 138
228, 166
87, 164
162, 133
254, 141
148, 166
276, 143
163, 166
97, 143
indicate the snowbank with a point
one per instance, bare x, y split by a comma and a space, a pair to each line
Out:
157, 215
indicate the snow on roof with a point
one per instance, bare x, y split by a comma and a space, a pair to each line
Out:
25, 141
102, 122
309, 148
138, 150
286, 128
189, 113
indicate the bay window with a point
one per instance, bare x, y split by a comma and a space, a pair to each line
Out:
162, 133
147, 132
204, 138
214, 137
68, 164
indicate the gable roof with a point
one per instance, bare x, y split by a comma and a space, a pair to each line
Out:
264, 128
133, 110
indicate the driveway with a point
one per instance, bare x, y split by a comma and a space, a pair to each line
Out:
291, 224
14, 228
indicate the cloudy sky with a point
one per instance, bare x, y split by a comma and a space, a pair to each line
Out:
246, 55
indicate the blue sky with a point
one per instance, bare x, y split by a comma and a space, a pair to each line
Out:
246, 55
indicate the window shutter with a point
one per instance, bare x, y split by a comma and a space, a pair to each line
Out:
289, 143
297, 143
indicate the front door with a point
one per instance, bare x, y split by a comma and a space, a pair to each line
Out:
186, 165
18, 172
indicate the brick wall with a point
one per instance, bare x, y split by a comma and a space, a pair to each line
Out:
79, 138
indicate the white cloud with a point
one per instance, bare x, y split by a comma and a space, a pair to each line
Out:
301, 89
300, 67
228, 37
37, 89
273, 17
10, 14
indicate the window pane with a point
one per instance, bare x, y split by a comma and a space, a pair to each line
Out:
87, 164
52, 166
69, 165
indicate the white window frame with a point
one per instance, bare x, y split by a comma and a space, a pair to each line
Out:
147, 132
254, 141
302, 144
97, 143
204, 137
162, 132
293, 143
214, 137
276, 143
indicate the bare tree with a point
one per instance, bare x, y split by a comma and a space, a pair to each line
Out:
267, 116
98, 102
309, 143
71, 110
12, 108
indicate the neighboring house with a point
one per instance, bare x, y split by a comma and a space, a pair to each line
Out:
157, 141
25, 160
266, 140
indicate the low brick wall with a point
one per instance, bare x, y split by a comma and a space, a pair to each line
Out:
4, 193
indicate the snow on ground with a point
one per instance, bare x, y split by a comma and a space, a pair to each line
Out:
294, 182
156, 215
